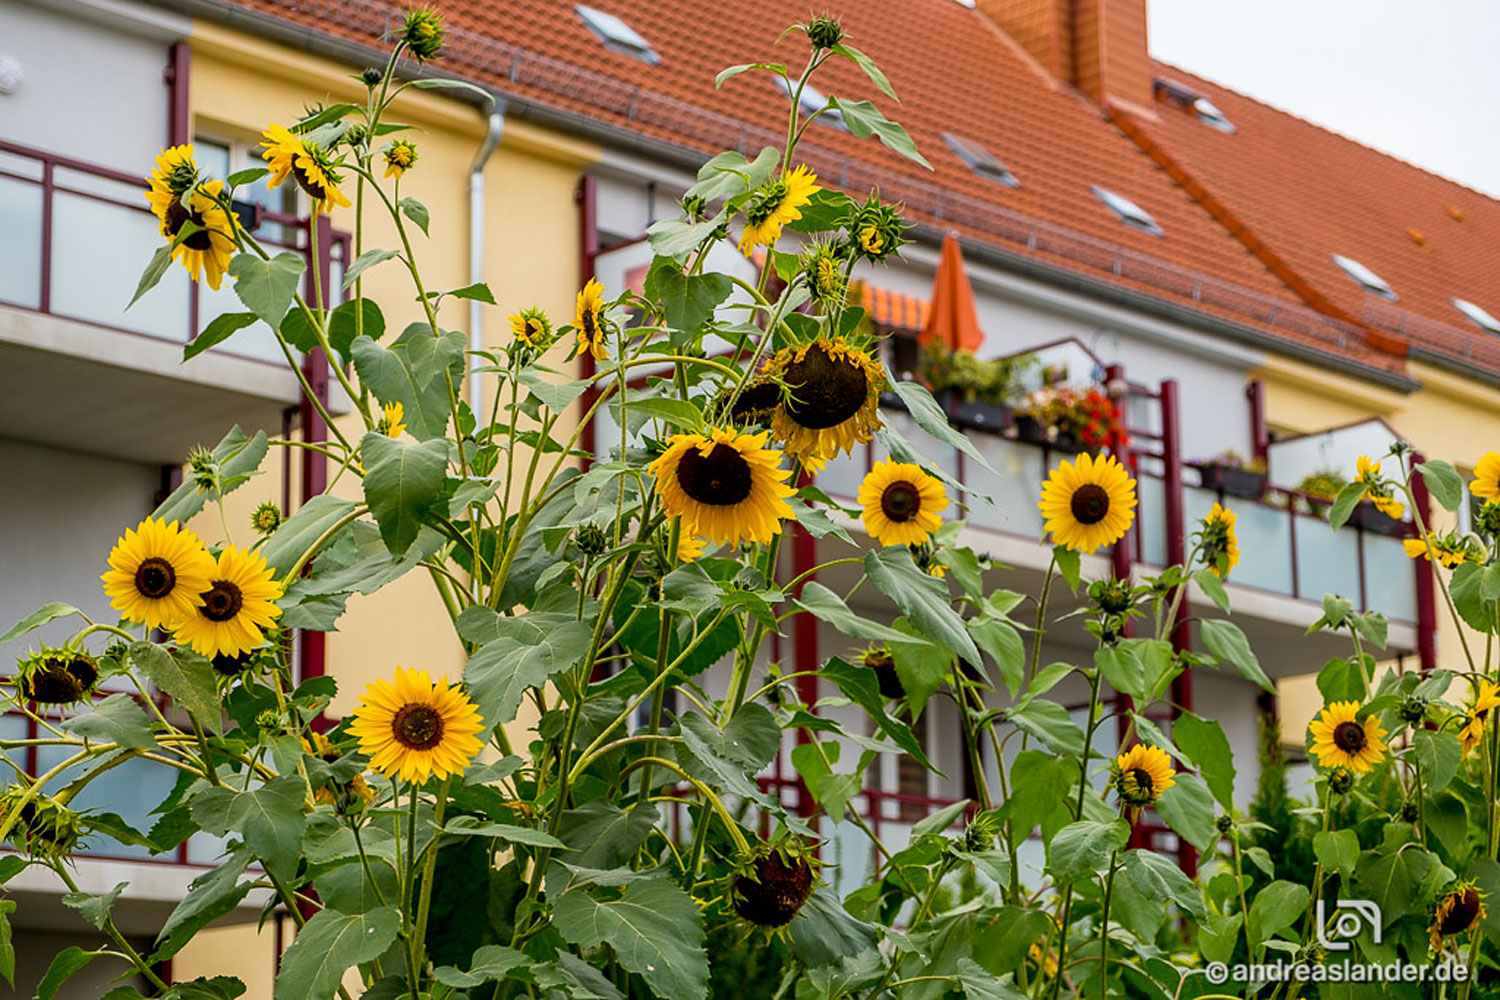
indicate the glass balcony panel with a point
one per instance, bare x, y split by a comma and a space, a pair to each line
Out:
1265, 549
20, 261
98, 253
1390, 582
1151, 497
128, 194
255, 341
130, 790
1013, 487
1327, 561
21, 166
841, 477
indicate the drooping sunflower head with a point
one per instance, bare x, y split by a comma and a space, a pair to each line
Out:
56, 676
236, 605
1378, 490
831, 401
414, 728
589, 321
392, 419
902, 504
1450, 550
266, 517
532, 329
307, 163
882, 664
45, 828
1341, 739
1457, 910
157, 572
1142, 773
181, 201
1486, 483
1485, 702
726, 485
176, 171
1088, 503
1220, 545
400, 156
775, 203
422, 31
771, 885
346, 792
756, 403
876, 230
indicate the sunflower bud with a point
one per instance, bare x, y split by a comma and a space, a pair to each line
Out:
591, 540
532, 329
268, 718
1341, 780
695, 208
876, 230
1488, 519
266, 518
981, 832
825, 32
355, 135
1224, 823
45, 827
824, 267
1113, 597
422, 31
203, 467
1409, 812
1413, 709
370, 75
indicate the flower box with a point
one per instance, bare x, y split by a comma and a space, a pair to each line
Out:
979, 415
1231, 480
1370, 518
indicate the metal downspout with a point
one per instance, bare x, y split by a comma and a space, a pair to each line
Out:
496, 114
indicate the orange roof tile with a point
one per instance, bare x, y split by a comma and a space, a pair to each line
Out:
954, 70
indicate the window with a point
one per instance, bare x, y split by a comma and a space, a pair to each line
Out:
617, 36
1368, 279
980, 161
1211, 116
219, 157
1487, 323
811, 102
1129, 212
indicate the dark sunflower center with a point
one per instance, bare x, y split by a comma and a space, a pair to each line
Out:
1462, 913
590, 325
417, 727
155, 577
756, 402
177, 215
1143, 780
720, 478
825, 392
1349, 737
900, 501
222, 602
1090, 503
306, 183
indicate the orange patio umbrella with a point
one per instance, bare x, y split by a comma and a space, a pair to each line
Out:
951, 320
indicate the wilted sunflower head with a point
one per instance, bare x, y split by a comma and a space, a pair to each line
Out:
422, 31
1142, 773
1457, 910
832, 397
878, 660
876, 229
45, 828
771, 884
56, 676
266, 517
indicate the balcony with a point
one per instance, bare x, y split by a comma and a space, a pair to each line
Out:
77, 238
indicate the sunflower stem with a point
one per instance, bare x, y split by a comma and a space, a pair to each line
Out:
429, 868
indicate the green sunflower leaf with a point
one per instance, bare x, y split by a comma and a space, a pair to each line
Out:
403, 484
1225, 640
653, 927
270, 819
364, 262
68, 961
220, 329
267, 287
156, 268
1349, 496
185, 676
416, 212
421, 372
523, 652
922, 598
865, 120
1444, 482
238, 457
331, 943
117, 719
867, 64
41, 616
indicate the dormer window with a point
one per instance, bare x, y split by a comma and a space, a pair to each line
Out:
1482, 318
617, 36
980, 160
1129, 212
1368, 279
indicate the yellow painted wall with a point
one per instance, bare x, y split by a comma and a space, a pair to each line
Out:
238, 85
1449, 418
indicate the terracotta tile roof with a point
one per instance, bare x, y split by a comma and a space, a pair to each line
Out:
954, 70
1304, 193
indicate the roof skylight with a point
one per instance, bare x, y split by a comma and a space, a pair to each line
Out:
1368, 279
616, 35
1129, 212
1486, 322
811, 102
1211, 116
980, 161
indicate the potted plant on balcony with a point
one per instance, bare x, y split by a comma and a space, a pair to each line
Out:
976, 393
1071, 420
1229, 472
1319, 490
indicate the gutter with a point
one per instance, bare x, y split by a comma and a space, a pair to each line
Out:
226, 13
496, 124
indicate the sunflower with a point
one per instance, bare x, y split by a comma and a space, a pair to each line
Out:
400, 157
57, 676
1450, 551
343, 796
413, 728
901, 503
727, 486
1486, 484
690, 547
1461, 908
1221, 547
156, 572
1142, 774
1339, 738
306, 163
590, 320
208, 250
773, 205
1043, 958
1088, 504
1377, 490
391, 420
237, 602
1474, 723
832, 399
531, 328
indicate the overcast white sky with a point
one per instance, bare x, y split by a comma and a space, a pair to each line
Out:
1416, 78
